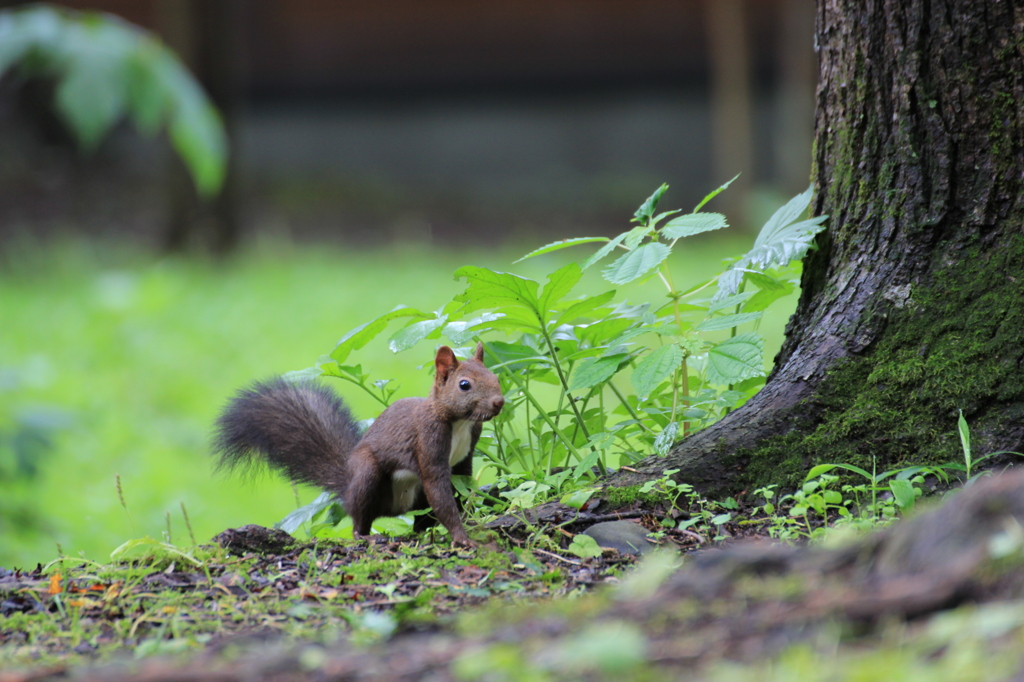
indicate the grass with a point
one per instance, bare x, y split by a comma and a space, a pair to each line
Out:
131, 356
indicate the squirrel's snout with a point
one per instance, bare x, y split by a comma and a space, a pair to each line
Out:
498, 403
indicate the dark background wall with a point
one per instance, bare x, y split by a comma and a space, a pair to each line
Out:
449, 119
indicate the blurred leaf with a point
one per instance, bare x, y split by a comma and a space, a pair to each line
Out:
636, 263
562, 244
655, 368
105, 67
91, 95
736, 359
693, 223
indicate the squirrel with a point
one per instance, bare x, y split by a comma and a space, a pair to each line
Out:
403, 462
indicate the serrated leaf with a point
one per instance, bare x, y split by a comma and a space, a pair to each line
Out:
560, 282
655, 368
409, 336
594, 371
646, 211
714, 194
562, 244
691, 224
782, 240
736, 359
581, 308
787, 244
604, 250
364, 333
636, 263
489, 289
726, 321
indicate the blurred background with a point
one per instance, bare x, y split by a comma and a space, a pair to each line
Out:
374, 148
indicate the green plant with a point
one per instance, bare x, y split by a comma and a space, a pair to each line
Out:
580, 345
969, 462
559, 368
106, 68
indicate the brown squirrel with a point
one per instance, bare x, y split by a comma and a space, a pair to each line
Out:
403, 462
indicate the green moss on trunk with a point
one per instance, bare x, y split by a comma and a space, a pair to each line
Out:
953, 345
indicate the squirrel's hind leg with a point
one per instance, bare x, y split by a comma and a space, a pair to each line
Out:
368, 495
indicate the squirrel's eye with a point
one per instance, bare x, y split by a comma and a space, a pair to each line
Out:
465, 385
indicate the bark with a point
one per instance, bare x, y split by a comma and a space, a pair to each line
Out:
913, 303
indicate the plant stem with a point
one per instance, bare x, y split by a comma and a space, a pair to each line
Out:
625, 403
666, 277
564, 382
364, 387
554, 428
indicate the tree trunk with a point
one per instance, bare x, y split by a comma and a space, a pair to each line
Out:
913, 303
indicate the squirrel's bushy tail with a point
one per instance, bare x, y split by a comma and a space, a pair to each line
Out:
301, 429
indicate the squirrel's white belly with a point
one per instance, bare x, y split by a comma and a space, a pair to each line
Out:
461, 438
405, 485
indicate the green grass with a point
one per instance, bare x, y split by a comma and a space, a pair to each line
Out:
137, 354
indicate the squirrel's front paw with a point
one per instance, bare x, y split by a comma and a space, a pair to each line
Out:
464, 542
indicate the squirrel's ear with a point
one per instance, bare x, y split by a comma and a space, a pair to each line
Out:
445, 363
479, 355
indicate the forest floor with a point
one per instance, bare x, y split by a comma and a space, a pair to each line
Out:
934, 597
